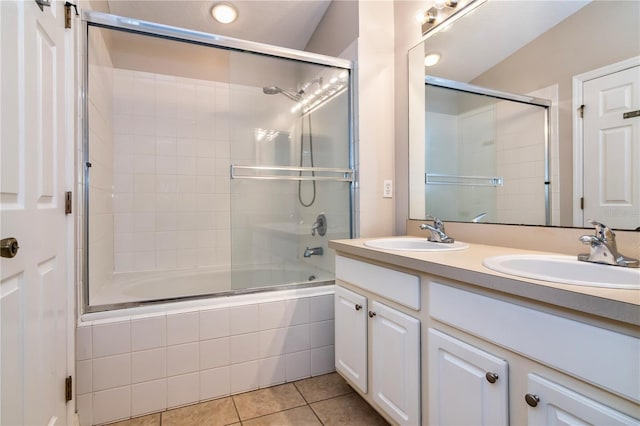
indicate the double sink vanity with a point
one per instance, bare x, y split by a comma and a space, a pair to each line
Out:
441, 334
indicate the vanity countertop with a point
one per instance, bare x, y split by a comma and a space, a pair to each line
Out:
466, 265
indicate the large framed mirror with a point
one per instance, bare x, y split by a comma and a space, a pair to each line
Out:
476, 156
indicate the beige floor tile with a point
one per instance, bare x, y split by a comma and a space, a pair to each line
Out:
150, 420
267, 401
217, 412
300, 416
323, 387
346, 410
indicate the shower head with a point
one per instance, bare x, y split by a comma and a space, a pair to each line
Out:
274, 90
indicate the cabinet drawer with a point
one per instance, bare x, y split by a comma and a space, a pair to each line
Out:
605, 358
394, 285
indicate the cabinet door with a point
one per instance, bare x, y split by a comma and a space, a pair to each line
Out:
467, 386
551, 404
395, 358
351, 336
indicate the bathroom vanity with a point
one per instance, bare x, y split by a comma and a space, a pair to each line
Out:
435, 338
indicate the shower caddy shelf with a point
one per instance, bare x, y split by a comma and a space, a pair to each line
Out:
268, 173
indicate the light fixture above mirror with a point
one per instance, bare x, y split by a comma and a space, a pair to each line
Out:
445, 10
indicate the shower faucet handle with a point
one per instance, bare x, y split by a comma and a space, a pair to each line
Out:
319, 225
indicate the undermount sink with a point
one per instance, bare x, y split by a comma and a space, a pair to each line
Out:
565, 270
414, 244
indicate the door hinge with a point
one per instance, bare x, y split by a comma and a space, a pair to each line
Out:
68, 389
581, 203
68, 203
581, 111
67, 13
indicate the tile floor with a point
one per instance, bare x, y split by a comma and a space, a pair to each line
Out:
321, 400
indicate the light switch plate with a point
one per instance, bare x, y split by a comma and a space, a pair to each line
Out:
387, 188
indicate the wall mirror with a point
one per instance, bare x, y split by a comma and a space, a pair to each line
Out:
477, 156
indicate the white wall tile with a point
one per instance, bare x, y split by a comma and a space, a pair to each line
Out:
272, 315
321, 308
322, 360
297, 311
183, 359
298, 365
148, 333
272, 342
183, 390
214, 353
111, 405
244, 319
214, 383
148, 365
297, 338
111, 372
84, 343
84, 374
111, 339
148, 397
183, 328
322, 333
272, 371
244, 347
245, 377
214, 323
84, 406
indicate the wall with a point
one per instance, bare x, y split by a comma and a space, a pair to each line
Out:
337, 29
128, 367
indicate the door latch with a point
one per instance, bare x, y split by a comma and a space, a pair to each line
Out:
9, 247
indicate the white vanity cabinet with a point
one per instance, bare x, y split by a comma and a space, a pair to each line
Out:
377, 345
467, 386
560, 371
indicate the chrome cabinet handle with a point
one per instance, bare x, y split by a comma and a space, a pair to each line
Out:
372, 314
491, 377
532, 399
358, 307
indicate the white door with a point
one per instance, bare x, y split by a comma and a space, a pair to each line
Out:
611, 169
556, 405
467, 386
33, 284
351, 336
395, 363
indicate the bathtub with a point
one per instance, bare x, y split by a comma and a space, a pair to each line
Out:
159, 356
137, 288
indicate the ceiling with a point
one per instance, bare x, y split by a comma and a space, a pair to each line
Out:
286, 23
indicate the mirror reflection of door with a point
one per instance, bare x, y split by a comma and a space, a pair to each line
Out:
611, 149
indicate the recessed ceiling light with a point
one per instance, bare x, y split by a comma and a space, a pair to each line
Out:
431, 59
224, 13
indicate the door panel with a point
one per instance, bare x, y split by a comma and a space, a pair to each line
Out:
612, 149
34, 284
351, 336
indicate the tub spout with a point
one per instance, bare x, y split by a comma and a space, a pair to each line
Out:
316, 251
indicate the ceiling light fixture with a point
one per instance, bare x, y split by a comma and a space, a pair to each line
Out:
431, 59
224, 13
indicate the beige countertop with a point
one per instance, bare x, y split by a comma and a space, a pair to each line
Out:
466, 265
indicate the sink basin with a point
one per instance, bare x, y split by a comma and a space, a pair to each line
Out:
565, 270
414, 244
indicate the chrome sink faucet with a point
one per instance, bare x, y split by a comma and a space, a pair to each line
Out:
437, 231
604, 249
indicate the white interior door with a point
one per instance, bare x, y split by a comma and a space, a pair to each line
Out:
611, 169
33, 284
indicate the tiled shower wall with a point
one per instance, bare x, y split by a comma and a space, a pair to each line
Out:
131, 366
171, 172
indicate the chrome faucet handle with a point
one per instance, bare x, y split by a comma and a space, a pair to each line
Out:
437, 222
603, 232
437, 231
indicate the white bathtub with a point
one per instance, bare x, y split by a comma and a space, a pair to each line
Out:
130, 289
